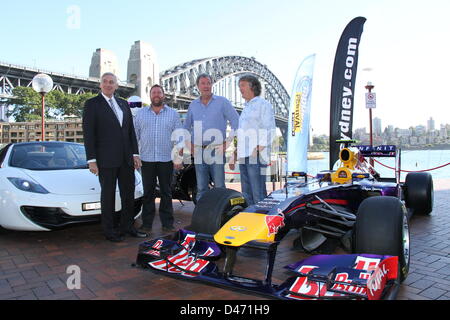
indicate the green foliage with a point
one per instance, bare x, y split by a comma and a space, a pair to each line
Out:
320, 143
27, 104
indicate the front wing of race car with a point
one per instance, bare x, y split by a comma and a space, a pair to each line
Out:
353, 276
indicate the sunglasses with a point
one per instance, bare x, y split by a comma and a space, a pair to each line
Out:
135, 104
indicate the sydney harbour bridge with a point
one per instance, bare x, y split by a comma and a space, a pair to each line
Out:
178, 83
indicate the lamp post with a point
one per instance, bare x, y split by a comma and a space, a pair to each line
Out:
43, 84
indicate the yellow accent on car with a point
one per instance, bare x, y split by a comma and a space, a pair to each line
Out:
342, 176
349, 158
236, 201
242, 228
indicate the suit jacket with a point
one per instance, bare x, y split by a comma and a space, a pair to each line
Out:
104, 139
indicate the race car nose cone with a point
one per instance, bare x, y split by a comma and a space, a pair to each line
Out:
243, 228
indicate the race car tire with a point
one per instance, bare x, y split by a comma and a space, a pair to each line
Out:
215, 208
192, 191
419, 192
188, 183
382, 228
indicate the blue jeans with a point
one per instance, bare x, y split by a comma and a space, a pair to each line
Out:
209, 172
253, 183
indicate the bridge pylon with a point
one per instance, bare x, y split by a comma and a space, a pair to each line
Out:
143, 69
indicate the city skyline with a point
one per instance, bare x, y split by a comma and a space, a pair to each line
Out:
403, 51
426, 126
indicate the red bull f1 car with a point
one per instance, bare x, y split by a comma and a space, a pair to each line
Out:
353, 206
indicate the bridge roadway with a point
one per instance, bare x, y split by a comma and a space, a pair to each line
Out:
33, 265
13, 75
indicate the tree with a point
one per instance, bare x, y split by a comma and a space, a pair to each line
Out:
68, 104
320, 143
78, 104
26, 104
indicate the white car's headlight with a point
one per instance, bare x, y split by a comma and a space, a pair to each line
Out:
26, 185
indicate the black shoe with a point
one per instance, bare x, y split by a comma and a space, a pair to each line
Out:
136, 234
169, 229
114, 238
145, 229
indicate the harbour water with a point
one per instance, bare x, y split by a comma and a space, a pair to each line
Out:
411, 160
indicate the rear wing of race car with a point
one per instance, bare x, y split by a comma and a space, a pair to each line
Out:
383, 151
378, 151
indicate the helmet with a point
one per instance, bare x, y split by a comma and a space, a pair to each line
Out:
135, 103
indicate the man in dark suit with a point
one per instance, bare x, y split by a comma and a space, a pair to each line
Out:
112, 154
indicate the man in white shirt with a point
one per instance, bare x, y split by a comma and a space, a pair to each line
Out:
255, 135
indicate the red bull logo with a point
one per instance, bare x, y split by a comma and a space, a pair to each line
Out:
275, 222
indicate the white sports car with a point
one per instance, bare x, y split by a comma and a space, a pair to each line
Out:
47, 185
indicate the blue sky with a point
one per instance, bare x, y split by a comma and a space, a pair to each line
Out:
405, 43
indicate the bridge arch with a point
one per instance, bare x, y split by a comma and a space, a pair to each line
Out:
179, 82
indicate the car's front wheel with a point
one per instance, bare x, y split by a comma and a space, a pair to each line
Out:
382, 228
215, 208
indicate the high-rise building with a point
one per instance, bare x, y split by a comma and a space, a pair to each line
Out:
430, 125
390, 129
443, 132
420, 130
377, 126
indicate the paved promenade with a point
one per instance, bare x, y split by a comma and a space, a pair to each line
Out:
34, 265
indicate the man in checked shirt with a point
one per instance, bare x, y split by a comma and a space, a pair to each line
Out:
154, 127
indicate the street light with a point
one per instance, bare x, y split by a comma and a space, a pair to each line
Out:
43, 84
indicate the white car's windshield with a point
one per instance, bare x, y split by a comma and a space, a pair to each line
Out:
48, 156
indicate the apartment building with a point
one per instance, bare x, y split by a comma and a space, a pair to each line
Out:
70, 130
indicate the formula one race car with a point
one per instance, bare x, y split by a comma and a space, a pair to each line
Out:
368, 215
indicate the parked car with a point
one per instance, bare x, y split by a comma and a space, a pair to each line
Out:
47, 185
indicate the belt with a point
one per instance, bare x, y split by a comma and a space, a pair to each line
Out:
204, 146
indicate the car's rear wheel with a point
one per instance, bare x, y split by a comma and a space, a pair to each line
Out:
215, 208
382, 228
419, 193
188, 182
192, 191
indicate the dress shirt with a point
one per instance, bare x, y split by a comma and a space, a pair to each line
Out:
154, 133
256, 128
213, 119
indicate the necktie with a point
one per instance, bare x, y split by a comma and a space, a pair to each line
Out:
111, 103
